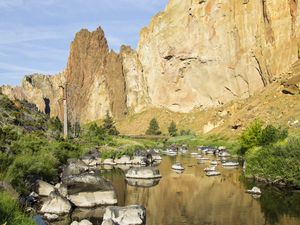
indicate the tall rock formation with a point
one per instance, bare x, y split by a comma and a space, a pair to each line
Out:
206, 53
195, 54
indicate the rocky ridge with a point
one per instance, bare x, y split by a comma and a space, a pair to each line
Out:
193, 55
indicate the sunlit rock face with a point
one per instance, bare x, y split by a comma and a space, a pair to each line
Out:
194, 54
205, 53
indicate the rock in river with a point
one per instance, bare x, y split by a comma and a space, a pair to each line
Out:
82, 222
254, 191
90, 190
143, 173
123, 160
129, 215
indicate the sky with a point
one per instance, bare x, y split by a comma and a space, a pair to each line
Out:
35, 35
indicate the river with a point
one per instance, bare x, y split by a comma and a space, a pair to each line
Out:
192, 198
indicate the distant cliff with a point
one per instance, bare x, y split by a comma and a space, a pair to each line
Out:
194, 55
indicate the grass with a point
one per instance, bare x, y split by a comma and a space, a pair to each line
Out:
11, 213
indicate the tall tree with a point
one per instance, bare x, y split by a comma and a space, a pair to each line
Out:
109, 125
153, 128
172, 129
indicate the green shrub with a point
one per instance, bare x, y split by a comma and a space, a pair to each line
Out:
185, 132
65, 150
255, 135
279, 161
7, 135
5, 161
11, 213
27, 168
29, 144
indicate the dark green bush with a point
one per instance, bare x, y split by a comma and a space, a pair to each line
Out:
109, 125
65, 150
27, 168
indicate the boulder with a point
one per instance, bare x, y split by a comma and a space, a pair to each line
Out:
92, 199
62, 189
123, 160
109, 162
43, 188
138, 160
143, 173
51, 217
129, 215
74, 167
145, 183
55, 204
254, 191
87, 213
82, 222
87, 181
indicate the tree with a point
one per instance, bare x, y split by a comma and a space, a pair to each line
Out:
172, 129
153, 128
109, 125
251, 137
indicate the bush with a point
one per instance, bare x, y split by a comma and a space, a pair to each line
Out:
65, 150
27, 168
11, 213
279, 161
255, 135
7, 135
29, 144
153, 128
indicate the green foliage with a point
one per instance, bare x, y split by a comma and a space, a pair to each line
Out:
280, 161
255, 135
5, 161
109, 125
11, 213
29, 144
27, 168
65, 150
251, 136
272, 134
7, 135
172, 129
153, 128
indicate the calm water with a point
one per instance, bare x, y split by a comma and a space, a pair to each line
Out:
191, 198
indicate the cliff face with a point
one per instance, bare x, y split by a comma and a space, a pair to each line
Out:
209, 52
195, 54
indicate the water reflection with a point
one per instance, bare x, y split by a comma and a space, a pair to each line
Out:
191, 198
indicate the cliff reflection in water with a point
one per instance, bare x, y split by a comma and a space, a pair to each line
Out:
192, 198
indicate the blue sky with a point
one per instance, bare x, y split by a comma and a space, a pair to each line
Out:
35, 35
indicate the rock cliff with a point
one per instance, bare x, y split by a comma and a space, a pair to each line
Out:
195, 54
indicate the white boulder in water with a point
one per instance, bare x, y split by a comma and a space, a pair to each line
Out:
210, 169
254, 191
212, 173
177, 166
230, 164
214, 162
143, 173
129, 215
109, 162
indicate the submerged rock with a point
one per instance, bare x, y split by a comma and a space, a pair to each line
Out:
143, 173
129, 215
87, 213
